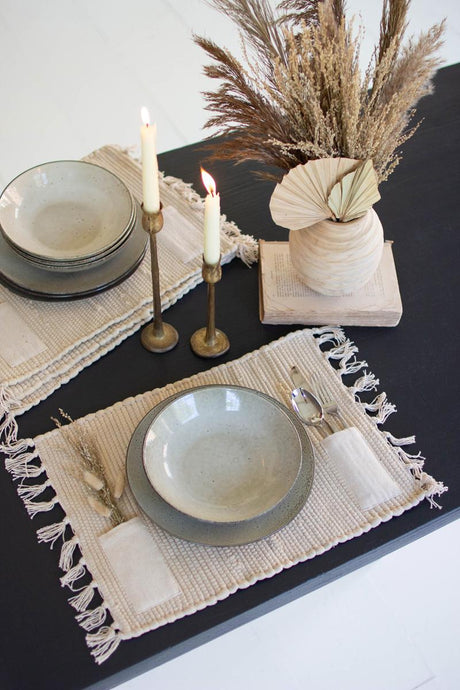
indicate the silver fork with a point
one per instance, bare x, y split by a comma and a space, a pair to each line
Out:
330, 405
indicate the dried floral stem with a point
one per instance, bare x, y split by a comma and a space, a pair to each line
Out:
93, 471
301, 94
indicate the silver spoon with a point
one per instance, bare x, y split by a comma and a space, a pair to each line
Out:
305, 404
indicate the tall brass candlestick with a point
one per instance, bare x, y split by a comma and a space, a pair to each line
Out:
210, 341
156, 336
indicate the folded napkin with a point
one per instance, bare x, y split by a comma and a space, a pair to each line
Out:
138, 564
361, 472
24, 345
167, 578
45, 344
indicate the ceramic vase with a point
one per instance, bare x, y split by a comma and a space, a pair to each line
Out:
335, 258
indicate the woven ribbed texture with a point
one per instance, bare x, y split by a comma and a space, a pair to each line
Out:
78, 332
207, 574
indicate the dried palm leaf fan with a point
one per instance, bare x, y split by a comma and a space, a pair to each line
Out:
355, 193
337, 188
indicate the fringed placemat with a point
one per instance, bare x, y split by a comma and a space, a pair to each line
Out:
176, 577
45, 344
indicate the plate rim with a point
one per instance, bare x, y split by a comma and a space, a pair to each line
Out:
197, 531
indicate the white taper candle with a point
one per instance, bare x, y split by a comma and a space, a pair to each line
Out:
211, 221
150, 187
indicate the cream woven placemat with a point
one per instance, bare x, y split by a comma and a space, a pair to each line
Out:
45, 344
208, 574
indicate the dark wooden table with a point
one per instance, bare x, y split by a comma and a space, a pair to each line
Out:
41, 644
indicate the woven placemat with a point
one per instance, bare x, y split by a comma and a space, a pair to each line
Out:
45, 344
207, 574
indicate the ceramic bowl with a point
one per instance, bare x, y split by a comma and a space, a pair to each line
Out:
199, 531
85, 263
65, 211
222, 453
42, 282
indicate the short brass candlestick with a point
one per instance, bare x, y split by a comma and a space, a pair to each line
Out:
210, 341
156, 336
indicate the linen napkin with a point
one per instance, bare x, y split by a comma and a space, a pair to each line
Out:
138, 565
25, 345
359, 469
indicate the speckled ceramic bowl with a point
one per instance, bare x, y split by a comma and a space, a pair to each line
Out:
65, 211
192, 529
84, 263
222, 453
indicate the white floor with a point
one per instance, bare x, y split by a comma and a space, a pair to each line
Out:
74, 76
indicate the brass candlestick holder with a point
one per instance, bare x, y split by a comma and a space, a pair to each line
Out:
210, 341
156, 336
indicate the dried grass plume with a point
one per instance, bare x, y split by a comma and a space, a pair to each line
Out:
301, 94
102, 497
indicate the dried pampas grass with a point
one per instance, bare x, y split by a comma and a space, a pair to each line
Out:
301, 95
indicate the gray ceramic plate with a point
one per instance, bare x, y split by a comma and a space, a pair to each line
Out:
215, 533
42, 283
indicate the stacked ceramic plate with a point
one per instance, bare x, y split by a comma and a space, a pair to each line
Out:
220, 465
68, 228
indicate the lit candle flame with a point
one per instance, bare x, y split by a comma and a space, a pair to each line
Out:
208, 182
145, 117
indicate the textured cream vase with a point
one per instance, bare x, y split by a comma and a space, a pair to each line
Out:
337, 258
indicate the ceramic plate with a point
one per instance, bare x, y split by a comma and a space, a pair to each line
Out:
193, 529
65, 210
41, 283
222, 454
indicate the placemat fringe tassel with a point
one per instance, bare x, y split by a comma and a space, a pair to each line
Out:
90, 620
23, 463
379, 409
104, 642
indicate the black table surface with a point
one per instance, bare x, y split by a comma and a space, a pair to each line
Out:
41, 644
